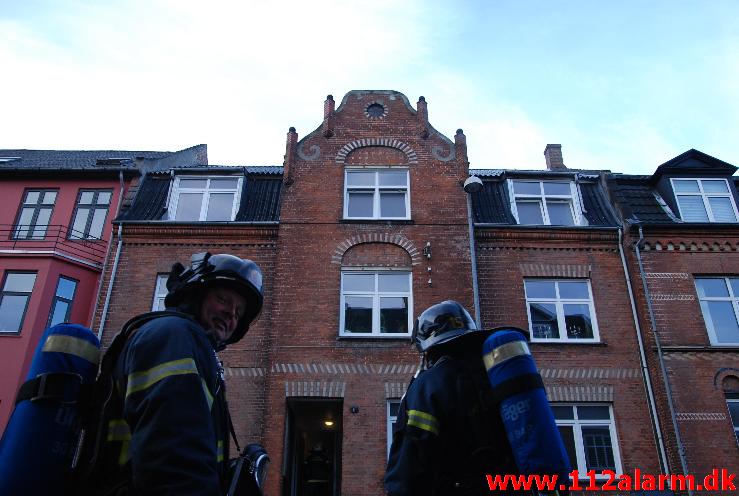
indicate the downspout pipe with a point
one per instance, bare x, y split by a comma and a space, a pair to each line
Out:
473, 184
663, 368
664, 464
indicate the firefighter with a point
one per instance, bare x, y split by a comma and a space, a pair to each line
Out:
448, 437
167, 419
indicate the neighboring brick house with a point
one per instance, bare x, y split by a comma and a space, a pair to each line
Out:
55, 233
549, 260
682, 240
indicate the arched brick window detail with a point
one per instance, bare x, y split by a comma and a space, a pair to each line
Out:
380, 238
376, 255
376, 155
730, 383
410, 154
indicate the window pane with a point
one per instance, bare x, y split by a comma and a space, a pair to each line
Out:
360, 205
394, 407
103, 198
526, 188
23, 223
19, 283
49, 198
223, 183
544, 320
188, 206
220, 206
394, 314
560, 214
392, 204
574, 290
724, 321
161, 288
712, 288
193, 183
358, 314
529, 213
686, 186
360, 178
563, 412
734, 412
393, 178
598, 449
42, 222
540, 289
557, 189
722, 209
86, 197
577, 321
59, 312
567, 432
32, 197
11, 312
98, 222
80, 221
692, 208
593, 413
65, 288
734, 286
359, 282
715, 186
394, 282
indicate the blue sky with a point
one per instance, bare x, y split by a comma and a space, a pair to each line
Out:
621, 85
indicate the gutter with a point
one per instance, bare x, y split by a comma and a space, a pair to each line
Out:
663, 369
664, 464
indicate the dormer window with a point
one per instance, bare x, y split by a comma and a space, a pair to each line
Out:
197, 198
704, 200
552, 203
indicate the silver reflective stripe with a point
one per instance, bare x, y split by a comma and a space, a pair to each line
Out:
60, 343
505, 352
138, 381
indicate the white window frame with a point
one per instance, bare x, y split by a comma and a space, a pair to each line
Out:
573, 199
559, 305
376, 334
577, 425
376, 192
160, 292
207, 191
391, 419
732, 298
704, 196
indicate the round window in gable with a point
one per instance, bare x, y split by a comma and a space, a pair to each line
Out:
375, 110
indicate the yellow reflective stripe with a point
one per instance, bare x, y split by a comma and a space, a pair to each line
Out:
71, 345
505, 352
138, 381
423, 420
125, 455
219, 451
208, 396
118, 430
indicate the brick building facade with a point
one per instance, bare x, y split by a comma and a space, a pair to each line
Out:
367, 223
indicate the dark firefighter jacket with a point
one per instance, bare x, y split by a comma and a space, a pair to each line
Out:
167, 427
446, 439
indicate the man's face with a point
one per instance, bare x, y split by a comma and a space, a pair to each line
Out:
220, 312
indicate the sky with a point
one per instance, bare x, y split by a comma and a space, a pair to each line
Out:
622, 85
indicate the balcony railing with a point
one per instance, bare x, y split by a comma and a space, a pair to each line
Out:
53, 240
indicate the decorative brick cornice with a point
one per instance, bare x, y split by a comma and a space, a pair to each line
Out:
554, 270
226, 232
389, 142
580, 393
574, 236
590, 373
395, 239
344, 368
693, 246
323, 389
691, 416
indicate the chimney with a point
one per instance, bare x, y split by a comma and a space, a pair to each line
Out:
423, 118
553, 155
460, 143
328, 113
290, 152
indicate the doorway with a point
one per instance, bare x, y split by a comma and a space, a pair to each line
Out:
312, 461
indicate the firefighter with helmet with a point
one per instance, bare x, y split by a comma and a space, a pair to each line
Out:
166, 424
447, 437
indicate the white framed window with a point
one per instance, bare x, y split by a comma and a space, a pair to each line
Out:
392, 416
61, 305
589, 435
561, 310
35, 213
16, 292
719, 300
201, 198
550, 203
160, 292
376, 304
376, 193
704, 200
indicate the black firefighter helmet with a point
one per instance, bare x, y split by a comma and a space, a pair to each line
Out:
442, 323
186, 285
